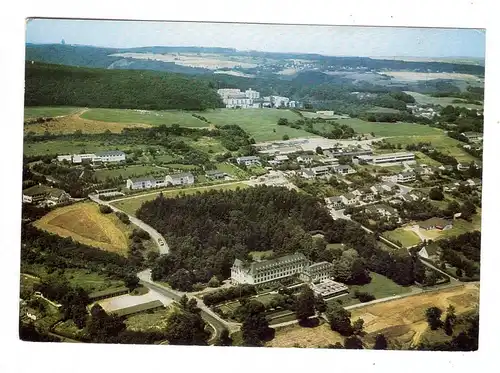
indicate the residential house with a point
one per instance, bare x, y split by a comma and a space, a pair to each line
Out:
335, 202
436, 223
249, 160
146, 182
430, 251
215, 174
333, 162
473, 136
279, 159
446, 167
307, 159
367, 195
462, 167
184, 178
320, 171
344, 169
40, 193
349, 199
61, 158
405, 177
307, 173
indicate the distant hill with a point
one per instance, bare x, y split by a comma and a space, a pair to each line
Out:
88, 56
48, 84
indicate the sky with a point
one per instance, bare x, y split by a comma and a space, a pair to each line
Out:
326, 40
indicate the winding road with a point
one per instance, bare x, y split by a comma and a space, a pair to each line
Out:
155, 235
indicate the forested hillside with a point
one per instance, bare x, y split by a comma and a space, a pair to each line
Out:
64, 85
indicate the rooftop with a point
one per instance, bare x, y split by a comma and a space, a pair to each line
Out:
434, 222
181, 174
110, 153
107, 292
278, 261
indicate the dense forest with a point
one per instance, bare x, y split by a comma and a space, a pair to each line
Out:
149, 90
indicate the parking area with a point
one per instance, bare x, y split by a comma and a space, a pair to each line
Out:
127, 300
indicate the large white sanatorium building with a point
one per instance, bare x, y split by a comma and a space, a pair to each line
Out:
233, 98
280, 268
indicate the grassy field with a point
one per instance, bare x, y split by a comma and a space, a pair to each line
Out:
74, 122
84, 223
48, 111
69, 147
259, 123
443, 101
128, 171
132, 204
390, 129
232, 170
407, 238
378, 109
402, 321
460, 226
207, 145
440, 141
155, 321
167, 117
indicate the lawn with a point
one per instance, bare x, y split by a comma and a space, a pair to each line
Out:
390, 129
407, 238
381, 287
64, 147
48, 111
90, 281
207, 145
84, 223
460, 226
232, 170
155, 321
127, 172
443, 101
257, 255
167, 117
440, 141
261, 124
131, 205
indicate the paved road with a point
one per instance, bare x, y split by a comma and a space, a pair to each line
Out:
155, 235
214, 320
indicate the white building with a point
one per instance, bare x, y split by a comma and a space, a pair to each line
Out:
403, 177
249, 161
307, 159
349, 199
79, 158
274, 270
334, 202
61, 158
344, 169
321, 170
387, 158
185, 178
146, 182
235, 98
109, 156
249, 93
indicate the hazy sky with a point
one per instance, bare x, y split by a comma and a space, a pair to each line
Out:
328, 40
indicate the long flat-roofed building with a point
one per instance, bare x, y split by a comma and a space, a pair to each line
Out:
387, 158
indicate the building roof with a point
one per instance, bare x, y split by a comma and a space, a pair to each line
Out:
281, 157
343, 167
110, 153
181, 174
334, 199
248, 158
321, 168
308, 172
255, 266
434, 222
305, 156
406, 174
107, 292
349, 196
138, 308
145, 178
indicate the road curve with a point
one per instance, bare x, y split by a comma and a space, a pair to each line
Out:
155, 235
211, 318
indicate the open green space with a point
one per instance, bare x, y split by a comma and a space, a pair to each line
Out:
131, 205
207, 145
407, 238
48, 111
67, 147
378, 109
150, 321
127, 172
443, 101
167, 117
261, 124
232, 170
389, 129
439, 141
380, 287
257, 255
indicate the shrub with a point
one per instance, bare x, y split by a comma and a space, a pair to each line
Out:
104, 209
363, 296
123, 217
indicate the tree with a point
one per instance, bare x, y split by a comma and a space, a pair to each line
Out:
450, 319
131, 281
186, 328
433, 315
304, 307
357, 326
104, 328
224, 338
105, 209
353, 342
214, 282
468, 209
283, 122
436, 194
285, 137
459, 272
337, 346
320, 304
254, 329
319, 150
380, 342
339, 319
183, 302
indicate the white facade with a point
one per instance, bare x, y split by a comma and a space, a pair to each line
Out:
248, 161
79, 158
180, 179
146, 183
305, 159
349, 199
387, 158
234, 98
251, 94
110, 156
61, 158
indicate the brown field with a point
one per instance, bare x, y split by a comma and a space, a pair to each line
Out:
402, 321
73, 122
84, 223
